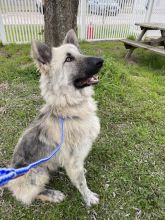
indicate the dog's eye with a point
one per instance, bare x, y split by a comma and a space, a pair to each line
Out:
69, 58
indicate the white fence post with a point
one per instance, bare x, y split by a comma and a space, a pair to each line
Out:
83, 19
2, 31
149, 10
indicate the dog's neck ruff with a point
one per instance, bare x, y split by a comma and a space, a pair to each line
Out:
7, 174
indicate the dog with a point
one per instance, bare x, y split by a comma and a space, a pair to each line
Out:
66, 83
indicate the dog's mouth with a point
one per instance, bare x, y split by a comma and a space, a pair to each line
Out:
89, 76
92, 80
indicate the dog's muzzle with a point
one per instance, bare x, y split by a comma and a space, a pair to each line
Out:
92, 65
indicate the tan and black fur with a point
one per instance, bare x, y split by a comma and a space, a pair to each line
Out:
65, 85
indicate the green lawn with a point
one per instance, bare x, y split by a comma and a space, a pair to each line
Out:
127, 164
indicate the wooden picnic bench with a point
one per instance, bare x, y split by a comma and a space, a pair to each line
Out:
150, 44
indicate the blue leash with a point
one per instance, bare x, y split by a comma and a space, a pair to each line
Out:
7, 174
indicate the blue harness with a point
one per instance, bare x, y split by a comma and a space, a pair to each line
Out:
7, 174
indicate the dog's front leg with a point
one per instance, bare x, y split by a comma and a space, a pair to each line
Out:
75, 171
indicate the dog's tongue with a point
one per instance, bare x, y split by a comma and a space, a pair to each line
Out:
93, 79
90, 81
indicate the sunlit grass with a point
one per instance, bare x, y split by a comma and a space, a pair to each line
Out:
126, 166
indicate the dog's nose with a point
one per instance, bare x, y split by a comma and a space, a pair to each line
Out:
94, 61
93, 65
99, 62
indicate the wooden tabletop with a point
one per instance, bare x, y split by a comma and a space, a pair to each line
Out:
152, 26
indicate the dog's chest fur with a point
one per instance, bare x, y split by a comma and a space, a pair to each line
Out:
81, 127
79, 134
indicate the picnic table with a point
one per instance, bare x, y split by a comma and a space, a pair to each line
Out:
150, 44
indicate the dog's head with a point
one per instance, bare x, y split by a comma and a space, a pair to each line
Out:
65, 67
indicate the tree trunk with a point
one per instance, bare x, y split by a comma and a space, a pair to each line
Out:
60, 16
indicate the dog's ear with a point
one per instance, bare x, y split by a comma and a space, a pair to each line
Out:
71, 38
40, 52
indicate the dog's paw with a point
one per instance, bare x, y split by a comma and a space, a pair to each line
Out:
91, 198
51, 196
57, 196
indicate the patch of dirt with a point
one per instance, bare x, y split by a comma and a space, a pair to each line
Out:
26, 65
4, 86
2, 110
2, 53
5, 54
19, 87
131, 61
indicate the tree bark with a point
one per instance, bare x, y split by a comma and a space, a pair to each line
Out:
60, 16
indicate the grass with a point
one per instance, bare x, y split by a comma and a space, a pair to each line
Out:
126, 166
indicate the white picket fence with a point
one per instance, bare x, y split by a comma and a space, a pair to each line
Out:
23, 20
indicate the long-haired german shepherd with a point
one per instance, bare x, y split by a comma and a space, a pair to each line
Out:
66, 83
